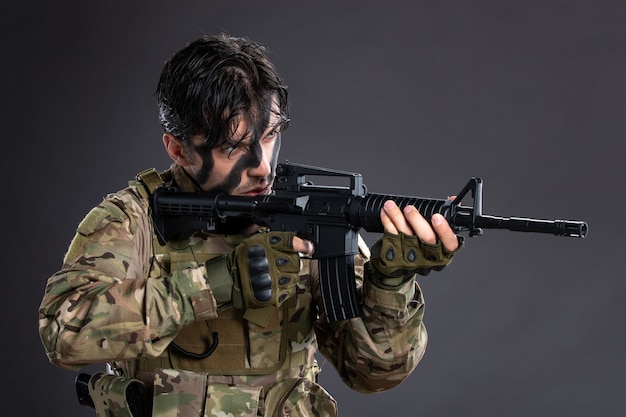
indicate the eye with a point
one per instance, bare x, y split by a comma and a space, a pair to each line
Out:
228, 148
272, 135
232, 149
276, 130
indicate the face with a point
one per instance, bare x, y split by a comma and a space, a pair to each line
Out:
240, 166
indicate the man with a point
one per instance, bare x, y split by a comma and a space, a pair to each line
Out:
227, 322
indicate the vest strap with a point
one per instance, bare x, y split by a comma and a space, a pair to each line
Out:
150, 179
220, 279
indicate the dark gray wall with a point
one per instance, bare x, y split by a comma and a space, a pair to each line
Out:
417, 96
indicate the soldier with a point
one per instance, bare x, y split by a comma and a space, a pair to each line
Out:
194, 326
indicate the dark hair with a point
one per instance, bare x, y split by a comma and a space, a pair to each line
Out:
207, 86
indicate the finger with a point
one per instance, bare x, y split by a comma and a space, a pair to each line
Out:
387, 223
445, 233
420, 225
395, 223
302, 246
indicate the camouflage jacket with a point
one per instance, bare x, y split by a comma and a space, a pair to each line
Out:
119, 299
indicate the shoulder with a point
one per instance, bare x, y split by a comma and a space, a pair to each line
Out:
122, 208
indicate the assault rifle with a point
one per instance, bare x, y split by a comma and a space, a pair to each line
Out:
330, 217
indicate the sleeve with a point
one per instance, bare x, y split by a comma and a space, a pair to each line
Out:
102, 306
379, 350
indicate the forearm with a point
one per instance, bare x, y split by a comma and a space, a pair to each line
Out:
106, 319
379, 350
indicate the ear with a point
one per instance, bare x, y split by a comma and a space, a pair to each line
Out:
175, 150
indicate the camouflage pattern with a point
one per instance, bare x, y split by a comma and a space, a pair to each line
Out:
299, 397
232, 400
123, 299
179, 393
114, 395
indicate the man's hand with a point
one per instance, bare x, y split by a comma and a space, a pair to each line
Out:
411, 244
266, 268
262, 271
410, 222
303, 247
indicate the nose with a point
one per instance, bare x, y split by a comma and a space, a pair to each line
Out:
263, 169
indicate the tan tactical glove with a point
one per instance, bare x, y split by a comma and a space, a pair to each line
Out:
396, 258
263, 270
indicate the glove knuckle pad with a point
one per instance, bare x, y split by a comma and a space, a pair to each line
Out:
401, 255
282, 262
268, 269
258, 266
281, 240
256, 251
263, 295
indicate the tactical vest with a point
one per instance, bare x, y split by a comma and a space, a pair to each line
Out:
261, 357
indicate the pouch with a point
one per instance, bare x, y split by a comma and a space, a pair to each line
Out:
299, 397
179, 393
117, 396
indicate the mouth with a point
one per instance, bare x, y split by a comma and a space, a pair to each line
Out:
257, 191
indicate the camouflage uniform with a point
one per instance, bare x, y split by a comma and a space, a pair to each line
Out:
147, 310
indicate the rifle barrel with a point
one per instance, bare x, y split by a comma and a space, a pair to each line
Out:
522, 224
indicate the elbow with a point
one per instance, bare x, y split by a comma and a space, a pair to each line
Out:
59, 349
56, 359
378, 375
382, 380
